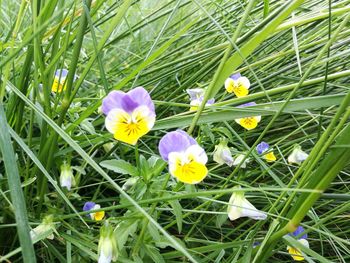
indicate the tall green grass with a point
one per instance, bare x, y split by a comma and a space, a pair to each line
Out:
296, 55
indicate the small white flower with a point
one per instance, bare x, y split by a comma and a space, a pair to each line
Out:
297, 156
239, 206
107, 245
238, 159
66, 177
222, 154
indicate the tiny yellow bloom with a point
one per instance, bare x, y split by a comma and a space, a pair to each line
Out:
270, 157
238, 85
59, 81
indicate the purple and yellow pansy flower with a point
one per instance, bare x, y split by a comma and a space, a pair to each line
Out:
263, 147
248, 123
129, 115
98, 216
196, 97
238, 85
59, 82
185, 157
294, 252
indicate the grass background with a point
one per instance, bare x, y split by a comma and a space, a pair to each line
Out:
297, 64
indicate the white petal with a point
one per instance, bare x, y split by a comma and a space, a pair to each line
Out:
304, 242
229, 82
174, 158
244, 81
145, 113
234, 209
249, 210
239, 159
104, 258
113, 117
195, 93
197, 153
258, 118
66, 182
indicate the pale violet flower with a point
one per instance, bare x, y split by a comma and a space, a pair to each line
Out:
238, 85
294, 252
185, 157
239, 206
129, 115
251, 122
66, 177
98, 216
222, 154
297, 156
196, 97
263, 147
107, 245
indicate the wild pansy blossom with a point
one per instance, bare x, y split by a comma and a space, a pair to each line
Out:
66, 177
59, 81
294, 252
264, 147
237, 84
298, 155
107, 245
239, 206
129, 115
248, 123
196, 97
98, 216
222, 154
185, 157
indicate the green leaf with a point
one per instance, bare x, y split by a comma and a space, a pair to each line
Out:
120, 166
177, 211
17, 197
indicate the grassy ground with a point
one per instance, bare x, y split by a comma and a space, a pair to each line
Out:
296, 56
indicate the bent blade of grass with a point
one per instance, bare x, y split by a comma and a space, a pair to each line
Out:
98, 169
16, 192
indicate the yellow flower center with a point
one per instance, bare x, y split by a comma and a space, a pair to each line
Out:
249, 123
128, 130
270, 157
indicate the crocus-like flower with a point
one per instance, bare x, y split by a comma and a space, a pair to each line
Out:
238, 159
98, 216
185, 157
294, 252
239, 206
66, 177
248, 123
237, 84
298, 155
44, 230
222, 154
129, 115
196, 97
59, 81
107, 245
264, 147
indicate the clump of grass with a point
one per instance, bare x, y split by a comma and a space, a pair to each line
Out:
295, 54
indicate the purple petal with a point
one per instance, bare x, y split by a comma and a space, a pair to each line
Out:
262, 147
247, 105
196, 94
235, 76
61, 73
298, 231
211, 101
88, 206
127, 101
175, 141
113, 100
141, 97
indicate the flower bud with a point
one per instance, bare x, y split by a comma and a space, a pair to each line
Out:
107, 245
67, 178
222, 154
298, 155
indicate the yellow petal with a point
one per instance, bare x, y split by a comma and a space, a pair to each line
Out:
240, 91
295, 253
249, 123
58, 86
270, 157
98, 216
194, 108
190, 173
129, 131
229, 85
